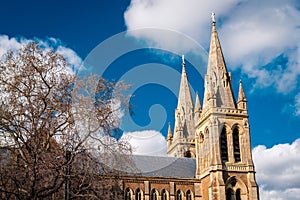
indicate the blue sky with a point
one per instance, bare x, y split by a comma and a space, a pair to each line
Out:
260, 41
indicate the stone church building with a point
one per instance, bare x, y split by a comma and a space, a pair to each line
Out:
209, 150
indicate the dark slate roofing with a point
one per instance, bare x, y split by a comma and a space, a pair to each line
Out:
172, 167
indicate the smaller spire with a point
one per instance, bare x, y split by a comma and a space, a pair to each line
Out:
184, 97
242, 101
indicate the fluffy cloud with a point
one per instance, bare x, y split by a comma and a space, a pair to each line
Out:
14, 44
278, 171
148, 142
7, 43
256, 33
180, 16
253, 33
72, 58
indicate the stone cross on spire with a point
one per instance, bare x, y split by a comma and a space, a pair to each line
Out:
213, 17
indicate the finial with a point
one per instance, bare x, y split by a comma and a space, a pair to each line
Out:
183, 59
213, 17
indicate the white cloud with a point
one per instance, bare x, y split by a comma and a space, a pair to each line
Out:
72, 58
13, 44
290, 194
278, 171
259, 31
148, 142
182, 16
253, 33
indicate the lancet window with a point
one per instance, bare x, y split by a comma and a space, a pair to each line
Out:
223, 145
236, 145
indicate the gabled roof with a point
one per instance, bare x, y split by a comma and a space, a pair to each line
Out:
172, 167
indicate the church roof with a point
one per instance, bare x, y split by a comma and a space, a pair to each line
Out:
158, 166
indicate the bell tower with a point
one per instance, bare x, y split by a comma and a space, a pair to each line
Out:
223, 150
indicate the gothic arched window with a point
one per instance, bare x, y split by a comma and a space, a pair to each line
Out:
223, 145
201, 138
179, 195
236, 145
127, 194
138, 194
153, 195
238, 194
187, 154
164, 195
188, 195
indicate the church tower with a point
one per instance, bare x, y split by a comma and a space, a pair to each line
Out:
223, 149
182, 143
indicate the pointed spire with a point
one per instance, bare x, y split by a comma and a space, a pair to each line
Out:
184, 97
217, 80
184, 114
242, 101
184, 127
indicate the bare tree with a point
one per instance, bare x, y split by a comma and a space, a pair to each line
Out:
55, 128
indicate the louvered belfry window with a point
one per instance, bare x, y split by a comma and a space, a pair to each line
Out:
223, 145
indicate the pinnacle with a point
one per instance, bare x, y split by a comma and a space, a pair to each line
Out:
197, 103
170, 135
241, 96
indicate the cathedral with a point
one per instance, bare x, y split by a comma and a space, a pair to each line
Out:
209, 149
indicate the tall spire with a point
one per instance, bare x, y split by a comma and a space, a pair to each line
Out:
217, 80
184, 127
183, 141
242, 101
184, 98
